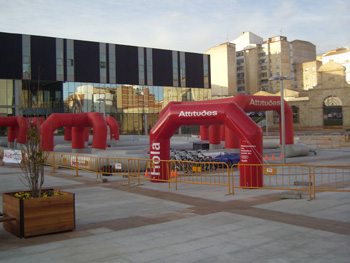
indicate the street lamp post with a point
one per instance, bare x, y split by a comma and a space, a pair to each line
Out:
283, 132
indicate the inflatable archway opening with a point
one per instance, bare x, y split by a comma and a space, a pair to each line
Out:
229, 114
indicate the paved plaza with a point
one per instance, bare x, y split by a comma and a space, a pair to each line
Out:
117, 222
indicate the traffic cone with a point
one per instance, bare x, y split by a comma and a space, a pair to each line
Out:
146, 173
273, 157
239, 164
266, 158
175, 173
172, 175
281, 155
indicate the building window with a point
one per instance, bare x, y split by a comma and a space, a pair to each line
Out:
59, 60
295, 111
332, 111
206, 71
182, 69
240, 61
175, 69
149, 62
70, 60
240, 68
26, 58
103, 63
111, 62
141, 62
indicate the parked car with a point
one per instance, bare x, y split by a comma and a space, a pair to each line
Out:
229, 158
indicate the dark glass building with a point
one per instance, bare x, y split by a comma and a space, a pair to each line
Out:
43, 75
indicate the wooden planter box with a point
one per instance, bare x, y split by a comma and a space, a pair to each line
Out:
39, 216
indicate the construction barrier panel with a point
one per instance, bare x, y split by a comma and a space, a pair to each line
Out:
335, 178
277, 177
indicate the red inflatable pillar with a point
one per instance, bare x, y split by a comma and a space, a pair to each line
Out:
78, 139
223, 132
159, 150
68, 134
11, 137
250, 153
215, 137
204, 129
231, 139
87, 133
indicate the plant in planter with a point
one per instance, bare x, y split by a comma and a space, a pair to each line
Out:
37, 211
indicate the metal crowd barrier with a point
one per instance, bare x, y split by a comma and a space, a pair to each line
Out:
204, 173
326, 142
73, 161
274, 177
334, 178
126, 167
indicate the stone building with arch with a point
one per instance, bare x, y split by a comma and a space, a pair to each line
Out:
326, 104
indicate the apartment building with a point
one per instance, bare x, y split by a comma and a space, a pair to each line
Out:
306, 75
223, 70
258, 60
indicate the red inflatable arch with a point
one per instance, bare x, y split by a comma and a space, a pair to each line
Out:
18, 128
247, 103
78, 122
114, 126
229, 114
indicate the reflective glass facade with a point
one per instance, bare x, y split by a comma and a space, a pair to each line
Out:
42, 75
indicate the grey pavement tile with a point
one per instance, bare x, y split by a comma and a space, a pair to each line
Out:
189, 257
220, 248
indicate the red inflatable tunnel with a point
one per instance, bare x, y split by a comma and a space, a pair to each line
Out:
18, 127
78, 122
229, 114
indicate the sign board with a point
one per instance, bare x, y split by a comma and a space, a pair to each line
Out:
118, 166
196, 169
12, 156
81, 161
271, 171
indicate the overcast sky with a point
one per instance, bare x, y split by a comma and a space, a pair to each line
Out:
184, 25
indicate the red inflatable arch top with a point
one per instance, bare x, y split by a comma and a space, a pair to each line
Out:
247, 103
228, 114
78, 122
17, 128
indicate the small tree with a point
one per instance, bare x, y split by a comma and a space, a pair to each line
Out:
33, 160
33, 156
